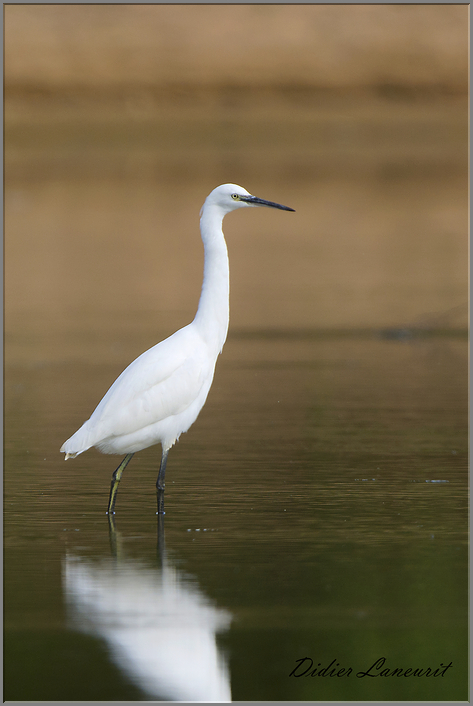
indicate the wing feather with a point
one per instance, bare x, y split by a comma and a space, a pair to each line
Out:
162, 382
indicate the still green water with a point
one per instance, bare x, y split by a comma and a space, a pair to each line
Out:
317, 508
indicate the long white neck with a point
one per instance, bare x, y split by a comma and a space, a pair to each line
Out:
213, 311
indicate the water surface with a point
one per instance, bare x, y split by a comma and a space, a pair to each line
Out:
318, 507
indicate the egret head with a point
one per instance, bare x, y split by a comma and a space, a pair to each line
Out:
229, 197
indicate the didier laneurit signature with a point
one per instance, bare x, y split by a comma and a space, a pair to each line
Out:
305, 668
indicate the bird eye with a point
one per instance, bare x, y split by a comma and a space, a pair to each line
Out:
235, 197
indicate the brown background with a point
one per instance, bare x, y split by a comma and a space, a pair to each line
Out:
121, 118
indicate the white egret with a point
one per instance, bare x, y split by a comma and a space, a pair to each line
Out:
160, 394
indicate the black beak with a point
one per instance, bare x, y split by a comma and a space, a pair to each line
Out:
255, 201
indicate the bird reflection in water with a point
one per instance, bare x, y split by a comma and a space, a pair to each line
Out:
159, 626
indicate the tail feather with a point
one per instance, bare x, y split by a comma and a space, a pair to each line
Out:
78, 443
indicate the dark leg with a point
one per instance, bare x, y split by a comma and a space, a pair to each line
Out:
115, 481
160, 482
161, 548
162, 470
160, 498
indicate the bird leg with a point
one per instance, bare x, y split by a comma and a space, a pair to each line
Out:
160, 482
162, 470
115, 481
160, 499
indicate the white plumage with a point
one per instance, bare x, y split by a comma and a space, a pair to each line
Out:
154, 400
160, 394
